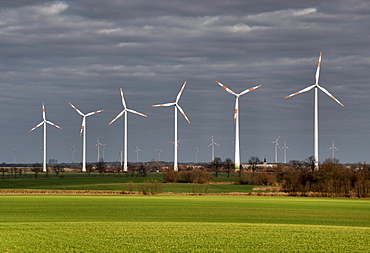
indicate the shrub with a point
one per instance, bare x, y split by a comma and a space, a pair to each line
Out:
130, 186
170, 176
256, 179
150, 187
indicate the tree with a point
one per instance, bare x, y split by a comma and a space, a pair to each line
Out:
36, 168
101, 166
57, 168
89, 169
142, 170
3, 170
253, 161
311, 162
228, 166
216, 165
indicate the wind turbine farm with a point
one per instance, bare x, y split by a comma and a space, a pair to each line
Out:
217, 132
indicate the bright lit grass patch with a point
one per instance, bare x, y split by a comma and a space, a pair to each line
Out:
179, 237
183, 224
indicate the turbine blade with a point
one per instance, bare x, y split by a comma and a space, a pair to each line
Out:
236, 109
78, 111
168, 104
301, 91
183, 113
318, 69
43, 111
119, 115
51, 123
227, 89
180, 92
248, 90
91, 113
330, 95
83, 125
123, 98
38, 125
138, 113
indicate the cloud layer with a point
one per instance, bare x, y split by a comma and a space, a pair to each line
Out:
84, 51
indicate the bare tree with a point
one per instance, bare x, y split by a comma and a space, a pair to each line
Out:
253, 161
216, 165
101, 166
311, 162
89, 169
228, 166
36, 168
57, 168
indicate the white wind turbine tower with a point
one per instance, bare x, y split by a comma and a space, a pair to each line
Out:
212, 144
236, 120
137, 153
196, 150
83, 129
98, 144
125, 111
276, 148
104, 145
332, 148
177, 107
316, 86
73, 149
44, 122
159, 153
120, 156
285, 147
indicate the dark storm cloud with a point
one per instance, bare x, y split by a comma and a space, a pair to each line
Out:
83, 51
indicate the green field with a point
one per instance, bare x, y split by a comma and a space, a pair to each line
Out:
183, 224
107, 183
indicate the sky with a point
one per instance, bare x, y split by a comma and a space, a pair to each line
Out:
83, 51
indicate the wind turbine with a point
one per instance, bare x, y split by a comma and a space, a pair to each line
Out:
159, 153
316, 86
73, 149
137, 153
212, 144
177, 107
120, 156
196, 150
276, 148
104, 145
332, 149
236, 120
83, 129
124, 111
44, 122
98, 144
285, 147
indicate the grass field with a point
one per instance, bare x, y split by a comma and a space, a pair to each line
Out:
115, 184
183, 224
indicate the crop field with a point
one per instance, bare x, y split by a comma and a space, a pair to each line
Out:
60, 223
116, 184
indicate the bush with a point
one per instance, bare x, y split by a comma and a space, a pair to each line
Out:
330, 180
170, 176
197, 189
256, 179
191, 176
150, 187
130, 186
195, 176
